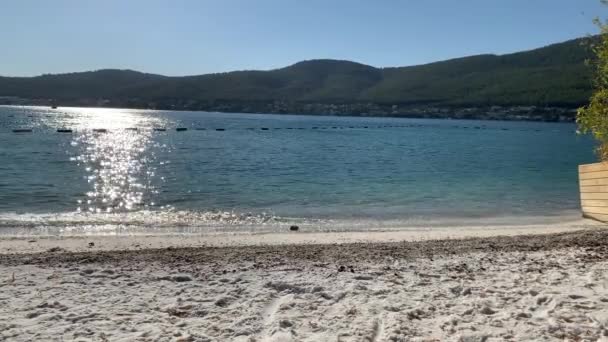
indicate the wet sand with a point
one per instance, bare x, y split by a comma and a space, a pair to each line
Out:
81, 243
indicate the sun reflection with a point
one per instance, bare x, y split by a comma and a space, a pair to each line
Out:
120, 164
109, 118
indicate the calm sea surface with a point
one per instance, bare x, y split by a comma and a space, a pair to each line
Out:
265, 172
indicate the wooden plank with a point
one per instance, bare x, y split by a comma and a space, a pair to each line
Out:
594, 196
592, 182
599, 217
593, 167
594, 203
596, 210
594, 188
593, 175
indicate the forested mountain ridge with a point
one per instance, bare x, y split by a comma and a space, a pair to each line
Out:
551, 76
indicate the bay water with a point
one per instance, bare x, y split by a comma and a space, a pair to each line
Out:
125, 170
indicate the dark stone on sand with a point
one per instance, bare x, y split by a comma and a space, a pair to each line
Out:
180, 278
31, 315
487, 311
341, 269
363, 277
91, 244
223, 302
294, 228
55, 249
285, 324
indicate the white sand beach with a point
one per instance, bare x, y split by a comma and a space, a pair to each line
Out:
542, 287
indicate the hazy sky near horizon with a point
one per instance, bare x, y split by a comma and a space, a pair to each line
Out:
186, 37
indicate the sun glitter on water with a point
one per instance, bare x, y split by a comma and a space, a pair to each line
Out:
119, 166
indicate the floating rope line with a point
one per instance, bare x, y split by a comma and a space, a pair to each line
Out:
184, 129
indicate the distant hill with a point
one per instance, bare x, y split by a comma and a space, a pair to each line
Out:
554, 75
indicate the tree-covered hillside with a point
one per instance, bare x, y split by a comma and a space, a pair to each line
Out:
555, 75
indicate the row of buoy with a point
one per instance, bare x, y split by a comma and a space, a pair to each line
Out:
183, 129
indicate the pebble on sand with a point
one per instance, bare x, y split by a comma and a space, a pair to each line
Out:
181, 278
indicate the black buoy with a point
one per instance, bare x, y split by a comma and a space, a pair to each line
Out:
264, 128
22, 130
131, 129
160, 129
61, 130
181, 129
100, 130
200, 129
220, 129
294, 228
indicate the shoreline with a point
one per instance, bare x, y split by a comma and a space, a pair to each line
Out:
124, 241
73, 248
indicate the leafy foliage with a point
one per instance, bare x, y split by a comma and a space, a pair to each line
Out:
594, 116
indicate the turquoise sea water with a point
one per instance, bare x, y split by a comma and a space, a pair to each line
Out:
262, 172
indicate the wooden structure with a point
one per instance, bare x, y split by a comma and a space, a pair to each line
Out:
593, 182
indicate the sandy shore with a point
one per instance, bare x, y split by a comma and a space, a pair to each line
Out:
81, 243
551, 286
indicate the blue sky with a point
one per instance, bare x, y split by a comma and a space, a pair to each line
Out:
184, 37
